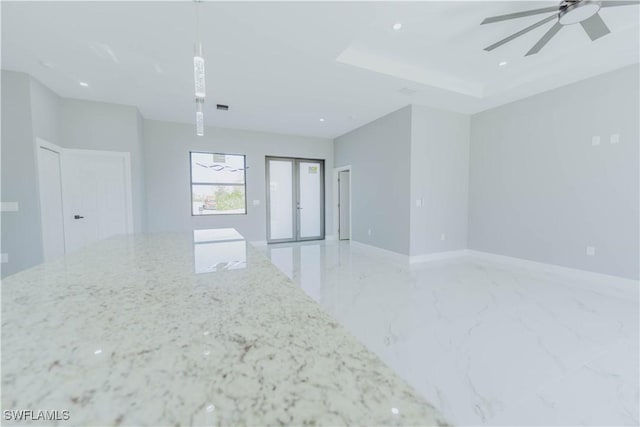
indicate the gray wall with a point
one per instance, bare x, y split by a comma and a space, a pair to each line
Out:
100, 126
440, 178
45, 107
538, 188
380, 179
167, 173
21, 231
30, 110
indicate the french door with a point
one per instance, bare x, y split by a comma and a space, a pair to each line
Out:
295, 199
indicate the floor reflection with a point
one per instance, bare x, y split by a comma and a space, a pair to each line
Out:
487, 342
218, 249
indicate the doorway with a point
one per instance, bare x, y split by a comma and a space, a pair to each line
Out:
295, 199
85, 196
344, 205
96, 188
343, 208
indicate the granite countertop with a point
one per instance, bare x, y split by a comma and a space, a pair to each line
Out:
186, 329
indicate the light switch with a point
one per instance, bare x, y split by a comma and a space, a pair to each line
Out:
256, 203
595, 140
418, 203
591, 251
9, 207
5, 258
443, 236
615, 138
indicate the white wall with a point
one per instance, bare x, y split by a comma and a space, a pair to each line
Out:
30, 110
45, 108
380, 180
21, 238
415, 153
167, 173
440, 179
540, 190
100, 126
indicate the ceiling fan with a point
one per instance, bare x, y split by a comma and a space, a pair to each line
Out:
568, 12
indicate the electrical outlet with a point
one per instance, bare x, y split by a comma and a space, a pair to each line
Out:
443, 236
591, 251
256, 203
595, 140
369, 232
9, 207
615, 138
5, 258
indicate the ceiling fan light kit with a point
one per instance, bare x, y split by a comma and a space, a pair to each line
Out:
568, 12
574, 12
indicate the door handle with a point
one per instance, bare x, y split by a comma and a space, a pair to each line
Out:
77, 217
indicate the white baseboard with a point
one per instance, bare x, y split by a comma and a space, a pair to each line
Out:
624, 282
395, 256
406, 259
331, 237
437, 256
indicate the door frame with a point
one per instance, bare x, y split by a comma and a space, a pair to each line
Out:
295, 162
46, 145
336, 209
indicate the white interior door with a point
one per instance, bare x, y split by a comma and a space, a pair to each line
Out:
50, 178
344, 204
97, 196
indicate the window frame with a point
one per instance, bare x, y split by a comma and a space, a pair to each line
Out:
191, 183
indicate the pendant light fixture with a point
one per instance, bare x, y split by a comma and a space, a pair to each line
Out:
198, 75
199, 117
198, 71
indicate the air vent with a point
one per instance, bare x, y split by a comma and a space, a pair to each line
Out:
407, 91
222, 107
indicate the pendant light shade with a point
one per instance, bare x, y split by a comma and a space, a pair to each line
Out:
199, 117
198, 71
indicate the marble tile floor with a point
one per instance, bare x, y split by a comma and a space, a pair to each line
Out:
488, 342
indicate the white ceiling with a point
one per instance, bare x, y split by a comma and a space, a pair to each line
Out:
283, 66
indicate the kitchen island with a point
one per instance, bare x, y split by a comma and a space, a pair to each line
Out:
186, 329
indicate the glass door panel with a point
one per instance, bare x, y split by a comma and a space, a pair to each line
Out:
280, 209
310, 211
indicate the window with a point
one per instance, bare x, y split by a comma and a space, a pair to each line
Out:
218, 184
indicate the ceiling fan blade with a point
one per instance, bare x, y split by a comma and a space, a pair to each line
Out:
519, 33
519, 14
618, 3
595, 27
545, 39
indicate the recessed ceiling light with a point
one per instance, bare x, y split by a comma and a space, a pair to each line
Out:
502, 63
84, 84
322, 120
46, 64
397, 26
